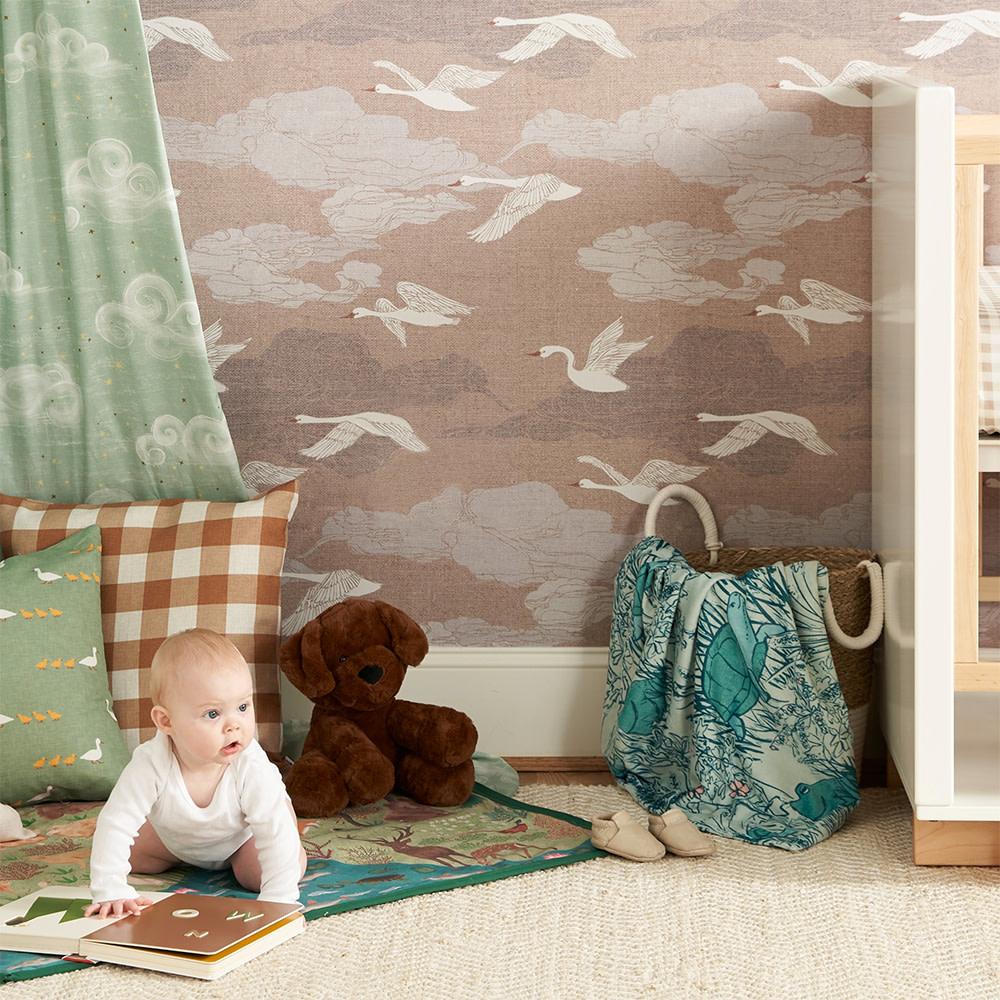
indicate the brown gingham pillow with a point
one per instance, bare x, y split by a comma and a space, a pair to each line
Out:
168, 565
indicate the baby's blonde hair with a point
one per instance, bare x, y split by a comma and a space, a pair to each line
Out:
202, 646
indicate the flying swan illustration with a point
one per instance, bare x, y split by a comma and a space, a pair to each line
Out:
328, 589
440, 92
349, 428
423, 308
527, 196
553, 29
826, 305
642, 487
955, 30
753, 426
259, 476
218, 354
605, 357
845, 87
180, 29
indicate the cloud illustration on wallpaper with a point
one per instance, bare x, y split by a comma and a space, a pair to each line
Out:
527, 196
643, 486
764, 210
150, 309
440, 92
846, 87
561, 607
118, 187
521, 535
517, 535
328, 589
201, 439
349, 428
846, 524
321, 140
465, 631
553, 29
180, 29
659, 261
826, 305
722, 135
605, 358
954, 31
55, 49
256, 264
360, 213
753, 426
565, 612
423, 308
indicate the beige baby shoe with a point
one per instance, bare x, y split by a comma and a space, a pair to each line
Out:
679, 835
619, 834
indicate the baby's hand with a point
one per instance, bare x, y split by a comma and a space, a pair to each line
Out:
117, 907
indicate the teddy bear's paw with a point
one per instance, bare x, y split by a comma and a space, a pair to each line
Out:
432, 784
451, 740
368, 775
316, 786
444, 736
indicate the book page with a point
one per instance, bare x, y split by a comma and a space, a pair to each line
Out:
201, 925
51, 920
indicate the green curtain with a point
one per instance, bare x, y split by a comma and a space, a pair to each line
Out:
106, 392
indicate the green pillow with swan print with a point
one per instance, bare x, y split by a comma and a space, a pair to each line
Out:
59, 738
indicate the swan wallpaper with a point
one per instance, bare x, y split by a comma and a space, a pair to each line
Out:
485, 276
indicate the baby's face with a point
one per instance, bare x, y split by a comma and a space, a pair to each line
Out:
211, 713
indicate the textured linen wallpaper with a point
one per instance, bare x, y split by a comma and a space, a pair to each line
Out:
416, 221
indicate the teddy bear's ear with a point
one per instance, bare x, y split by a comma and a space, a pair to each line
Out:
409, 640
302, 662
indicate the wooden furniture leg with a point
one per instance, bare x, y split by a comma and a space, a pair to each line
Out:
955, 842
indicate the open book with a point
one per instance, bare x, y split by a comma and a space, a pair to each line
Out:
183, 933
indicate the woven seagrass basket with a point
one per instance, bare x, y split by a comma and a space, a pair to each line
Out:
850, 594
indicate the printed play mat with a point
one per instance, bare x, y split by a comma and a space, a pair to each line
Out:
366, 855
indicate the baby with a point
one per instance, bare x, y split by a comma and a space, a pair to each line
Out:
202, 790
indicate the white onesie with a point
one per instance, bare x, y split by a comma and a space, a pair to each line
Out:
250, 800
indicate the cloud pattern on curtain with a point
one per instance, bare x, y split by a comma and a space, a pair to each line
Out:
106, 390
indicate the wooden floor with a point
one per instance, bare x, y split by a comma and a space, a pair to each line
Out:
565, 778
561, 770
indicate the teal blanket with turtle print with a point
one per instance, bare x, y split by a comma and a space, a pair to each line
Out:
722, 698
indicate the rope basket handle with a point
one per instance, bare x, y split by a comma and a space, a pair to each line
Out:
712, 544
702, 509
875, 618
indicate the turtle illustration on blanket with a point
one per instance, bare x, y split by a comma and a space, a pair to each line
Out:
644, 705
734, 663
823, 797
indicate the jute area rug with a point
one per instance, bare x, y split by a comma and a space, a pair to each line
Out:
851, 918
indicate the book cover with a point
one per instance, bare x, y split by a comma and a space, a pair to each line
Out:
203, 936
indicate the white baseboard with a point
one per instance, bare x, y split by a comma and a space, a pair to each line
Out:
531, 701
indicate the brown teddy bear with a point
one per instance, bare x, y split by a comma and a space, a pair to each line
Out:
363, 743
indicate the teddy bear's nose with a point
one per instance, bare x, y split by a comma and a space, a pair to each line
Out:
371, 673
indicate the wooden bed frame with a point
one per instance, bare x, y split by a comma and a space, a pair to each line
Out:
940, 692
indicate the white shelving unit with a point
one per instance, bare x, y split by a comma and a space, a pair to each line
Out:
941, 694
